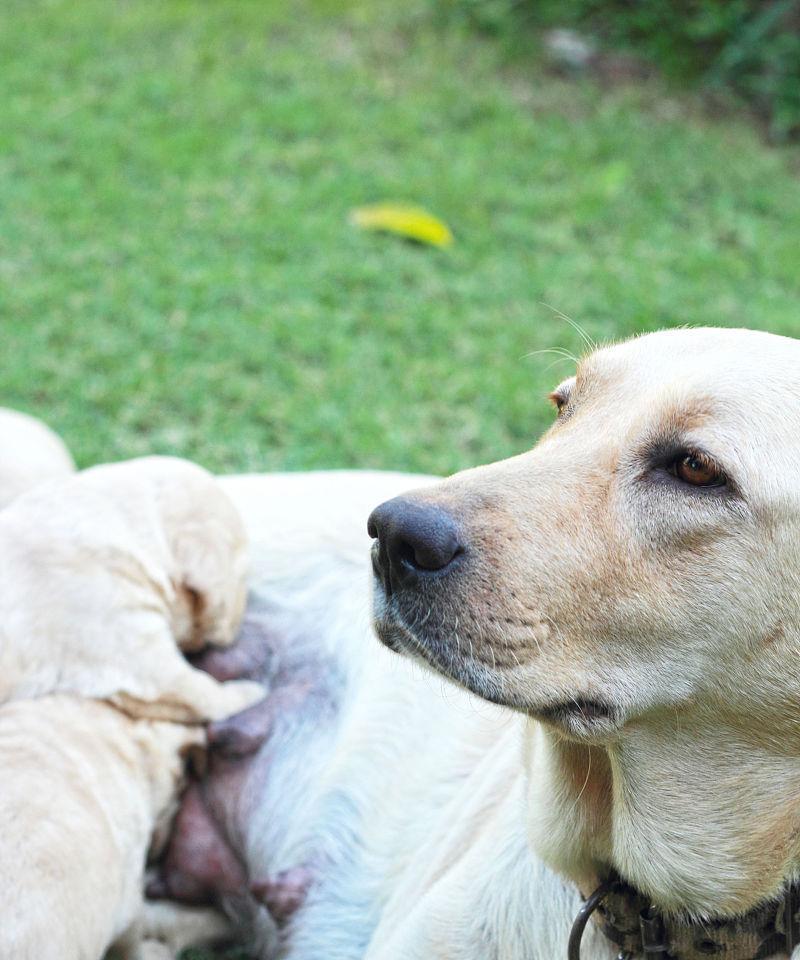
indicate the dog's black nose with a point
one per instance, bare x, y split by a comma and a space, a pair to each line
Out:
414, 539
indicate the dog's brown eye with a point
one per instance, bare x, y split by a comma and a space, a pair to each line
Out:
558, 400
698, 470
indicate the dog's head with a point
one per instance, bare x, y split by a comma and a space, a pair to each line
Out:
638, 568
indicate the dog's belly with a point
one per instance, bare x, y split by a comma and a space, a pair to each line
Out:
383, 806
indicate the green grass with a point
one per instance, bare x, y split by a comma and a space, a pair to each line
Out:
177, 271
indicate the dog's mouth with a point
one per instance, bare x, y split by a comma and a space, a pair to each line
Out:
579, 715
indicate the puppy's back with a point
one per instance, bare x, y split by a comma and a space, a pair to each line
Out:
31, 453
105, 575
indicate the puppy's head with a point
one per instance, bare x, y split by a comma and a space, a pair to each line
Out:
208, 544
188, 536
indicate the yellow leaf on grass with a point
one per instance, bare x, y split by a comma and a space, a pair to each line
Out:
413, 223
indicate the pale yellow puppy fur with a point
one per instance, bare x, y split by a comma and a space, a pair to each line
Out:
106, 576
83, 788
31, 454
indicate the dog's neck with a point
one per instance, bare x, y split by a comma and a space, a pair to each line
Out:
698, 814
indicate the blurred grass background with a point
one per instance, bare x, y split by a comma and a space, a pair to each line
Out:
739, 53
178, 273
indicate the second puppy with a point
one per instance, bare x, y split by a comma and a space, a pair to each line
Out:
84, 789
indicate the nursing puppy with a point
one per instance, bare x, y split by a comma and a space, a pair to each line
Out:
84, 787
107, 576
627, 594
32, 453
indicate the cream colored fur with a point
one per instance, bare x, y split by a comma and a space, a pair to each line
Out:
414, 795
83, 787
105, 577
453, 829
597, 576
31, 453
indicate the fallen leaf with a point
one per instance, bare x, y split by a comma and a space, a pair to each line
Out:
413, 223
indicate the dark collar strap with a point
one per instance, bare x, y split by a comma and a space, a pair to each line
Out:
640, 931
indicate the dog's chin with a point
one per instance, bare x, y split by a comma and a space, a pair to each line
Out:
579, 718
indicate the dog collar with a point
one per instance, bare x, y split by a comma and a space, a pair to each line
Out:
639, 930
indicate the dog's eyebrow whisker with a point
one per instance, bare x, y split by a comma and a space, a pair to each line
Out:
559, 351
591, 344
550, 366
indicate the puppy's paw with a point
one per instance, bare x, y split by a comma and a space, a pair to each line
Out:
242, 734
233, 697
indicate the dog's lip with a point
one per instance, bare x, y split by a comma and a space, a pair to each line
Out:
387, 631
380, 575
578, 710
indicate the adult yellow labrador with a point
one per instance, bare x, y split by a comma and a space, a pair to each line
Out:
619, 612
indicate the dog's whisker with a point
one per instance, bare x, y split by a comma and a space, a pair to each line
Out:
590, 344
559, 351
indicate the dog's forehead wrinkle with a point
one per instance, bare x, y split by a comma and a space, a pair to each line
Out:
745, 369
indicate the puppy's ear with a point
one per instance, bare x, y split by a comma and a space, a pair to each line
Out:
211, 589
189, 618
207, 540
